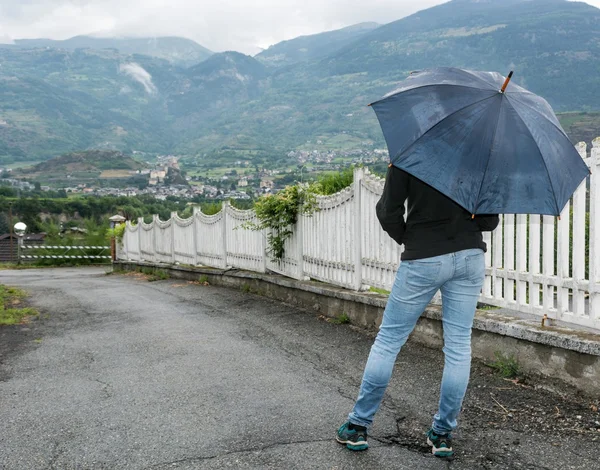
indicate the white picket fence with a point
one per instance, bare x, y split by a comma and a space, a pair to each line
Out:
535, 264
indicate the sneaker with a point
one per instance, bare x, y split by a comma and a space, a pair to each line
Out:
355, 437
441, 445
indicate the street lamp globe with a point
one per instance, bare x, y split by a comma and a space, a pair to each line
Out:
20, 228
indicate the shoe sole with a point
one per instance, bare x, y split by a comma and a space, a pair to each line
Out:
356, 446
439, 452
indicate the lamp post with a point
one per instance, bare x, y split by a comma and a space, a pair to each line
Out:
114, 221
20, 229
10, 225
301, 170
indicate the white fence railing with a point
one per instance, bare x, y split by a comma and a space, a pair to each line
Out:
535, 264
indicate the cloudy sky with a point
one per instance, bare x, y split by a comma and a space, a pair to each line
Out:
241, 25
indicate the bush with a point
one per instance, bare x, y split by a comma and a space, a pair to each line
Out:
279, 212
334, 182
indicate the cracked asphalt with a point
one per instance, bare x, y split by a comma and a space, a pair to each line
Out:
121, 373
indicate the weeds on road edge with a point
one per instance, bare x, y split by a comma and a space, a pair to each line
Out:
341, 319
150, 274
506, 366
10, 312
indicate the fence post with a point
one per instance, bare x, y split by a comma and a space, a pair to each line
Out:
154, 225
357, 235
173, 215
594, 231
263, 242
300, 247
140, 221
195, 234
224, 233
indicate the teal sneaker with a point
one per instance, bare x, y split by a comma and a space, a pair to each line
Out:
441, 445
355, 437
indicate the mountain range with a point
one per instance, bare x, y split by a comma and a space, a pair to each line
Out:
180, 51
171, 95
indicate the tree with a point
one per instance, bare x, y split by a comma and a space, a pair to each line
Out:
7, 191
4, 226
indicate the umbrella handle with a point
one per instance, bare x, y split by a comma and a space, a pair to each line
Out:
503, 89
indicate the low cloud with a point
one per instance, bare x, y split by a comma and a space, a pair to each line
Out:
139, 74
219, 25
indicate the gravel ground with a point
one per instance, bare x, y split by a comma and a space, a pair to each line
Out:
119, 372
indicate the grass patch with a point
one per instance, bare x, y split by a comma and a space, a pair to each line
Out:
487, 307
246, 289
142, 273
341, 319
506, 366
6, 266
203, 280
379, 291
11, 313
157, 275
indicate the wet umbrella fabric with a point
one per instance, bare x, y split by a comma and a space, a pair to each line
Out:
491, 152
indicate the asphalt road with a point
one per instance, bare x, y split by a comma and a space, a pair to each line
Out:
121, 373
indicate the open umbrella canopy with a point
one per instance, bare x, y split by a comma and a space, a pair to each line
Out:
489, 150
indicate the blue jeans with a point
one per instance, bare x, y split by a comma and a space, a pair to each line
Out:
460, 277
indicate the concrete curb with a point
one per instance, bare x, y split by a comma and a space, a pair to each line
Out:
566, 354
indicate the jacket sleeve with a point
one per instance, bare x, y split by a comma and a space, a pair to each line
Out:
487, 222
390, 208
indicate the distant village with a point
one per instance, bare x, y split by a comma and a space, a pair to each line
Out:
165, 177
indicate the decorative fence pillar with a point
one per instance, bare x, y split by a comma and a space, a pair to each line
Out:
195, 236
299, 248
224, 228
173, 221
263, 250
594, 231
140, 221
359, 174
154, 229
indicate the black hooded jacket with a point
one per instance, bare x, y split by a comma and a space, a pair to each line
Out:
435, 225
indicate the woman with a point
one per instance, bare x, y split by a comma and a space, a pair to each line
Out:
444, 250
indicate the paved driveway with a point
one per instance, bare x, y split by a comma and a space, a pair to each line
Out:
122, 373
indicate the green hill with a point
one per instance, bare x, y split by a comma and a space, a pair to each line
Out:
54, 101
90, 160
85, 167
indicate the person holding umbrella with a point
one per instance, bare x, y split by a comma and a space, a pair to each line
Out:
463, 149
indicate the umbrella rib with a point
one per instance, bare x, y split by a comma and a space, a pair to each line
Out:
394, 93
541, 155
540, 114
488, 162
442, 120
472, 74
